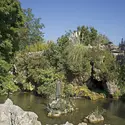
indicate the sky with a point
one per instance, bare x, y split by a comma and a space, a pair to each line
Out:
59, 16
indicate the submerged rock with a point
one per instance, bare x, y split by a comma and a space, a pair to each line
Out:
67, 123
13, 115
83, 123
58, 107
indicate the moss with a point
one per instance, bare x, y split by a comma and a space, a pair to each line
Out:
116, 95
83, 91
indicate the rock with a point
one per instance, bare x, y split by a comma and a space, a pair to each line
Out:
112, 88
54, 113
92, 118
8, 102
13, 115
67, 123
83, 123
58, 107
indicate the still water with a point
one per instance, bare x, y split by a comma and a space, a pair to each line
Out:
114, 115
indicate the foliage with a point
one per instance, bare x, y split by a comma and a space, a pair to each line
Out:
121, 78
55, 57
33, 33
12, 21
69, 90
48, 81
102, 39
6, 78
83, 91
40, 65
39, 46
41, 80
104, 65
76, 59
76, 49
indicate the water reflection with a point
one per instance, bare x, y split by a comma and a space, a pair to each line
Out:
115, 107
115, 110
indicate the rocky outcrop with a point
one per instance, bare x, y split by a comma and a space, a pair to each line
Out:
58, 107
109, 87
112, 88
11, 114
94, 117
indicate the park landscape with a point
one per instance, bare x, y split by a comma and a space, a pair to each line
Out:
77, 79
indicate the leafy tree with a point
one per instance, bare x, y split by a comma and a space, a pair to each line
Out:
77, 60
12, 20
105, 65
102, 39
87, 35
35, 72
6, 78
34, 26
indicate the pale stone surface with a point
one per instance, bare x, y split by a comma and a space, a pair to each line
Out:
13, 115
112, 88
94, 119
83, 123
67, 123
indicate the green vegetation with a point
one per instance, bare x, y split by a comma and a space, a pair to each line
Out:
40, 64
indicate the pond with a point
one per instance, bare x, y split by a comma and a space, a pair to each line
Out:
114, 115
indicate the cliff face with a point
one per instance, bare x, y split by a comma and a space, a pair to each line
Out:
13, 115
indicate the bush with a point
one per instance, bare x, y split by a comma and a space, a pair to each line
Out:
6, 78
69, 90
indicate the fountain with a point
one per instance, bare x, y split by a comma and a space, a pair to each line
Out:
59, 106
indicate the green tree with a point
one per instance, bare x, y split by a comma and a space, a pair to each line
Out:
12, 19
77, 60
34, 26
6, 78
105, 65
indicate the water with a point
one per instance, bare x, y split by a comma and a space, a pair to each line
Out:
115, 110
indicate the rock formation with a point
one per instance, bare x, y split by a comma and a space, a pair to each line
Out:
58, 107
11, 114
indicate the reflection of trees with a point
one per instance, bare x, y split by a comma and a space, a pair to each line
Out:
115, 107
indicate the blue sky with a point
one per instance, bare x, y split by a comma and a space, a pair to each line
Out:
59, 16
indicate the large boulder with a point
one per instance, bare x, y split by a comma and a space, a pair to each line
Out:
13, 115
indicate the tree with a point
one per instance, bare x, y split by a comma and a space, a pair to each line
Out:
6, 78
12, 19
105, 65
34, 27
